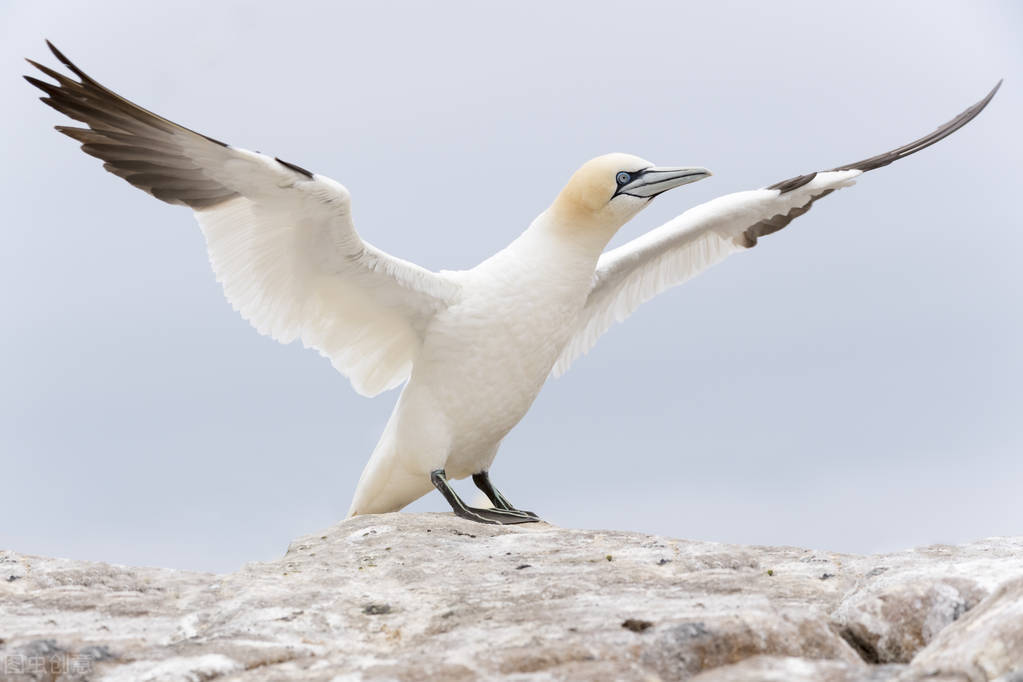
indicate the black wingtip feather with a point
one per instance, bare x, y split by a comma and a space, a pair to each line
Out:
88, 81
793, 183
939, 134
905, 150
69, 64
48, 88
297, 169
145, 149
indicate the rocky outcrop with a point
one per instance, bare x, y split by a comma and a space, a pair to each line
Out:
429, 596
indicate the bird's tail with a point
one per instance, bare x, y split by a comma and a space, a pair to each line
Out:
385, 485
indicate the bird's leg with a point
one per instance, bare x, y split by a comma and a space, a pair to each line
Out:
497, 516
482, 481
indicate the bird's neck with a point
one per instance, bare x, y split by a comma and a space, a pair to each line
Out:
553, 249
575, 229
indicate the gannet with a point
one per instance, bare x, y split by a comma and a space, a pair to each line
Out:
474, 347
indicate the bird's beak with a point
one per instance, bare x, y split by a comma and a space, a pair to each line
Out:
653, 181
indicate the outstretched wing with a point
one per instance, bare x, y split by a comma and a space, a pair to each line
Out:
280, 239
707, 234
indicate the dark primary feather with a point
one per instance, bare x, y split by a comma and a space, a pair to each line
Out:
145, 149
777, 222
913, 147
297, 169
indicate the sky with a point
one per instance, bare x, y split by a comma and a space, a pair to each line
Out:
854, 383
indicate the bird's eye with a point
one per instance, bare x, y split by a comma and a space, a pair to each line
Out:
623, 178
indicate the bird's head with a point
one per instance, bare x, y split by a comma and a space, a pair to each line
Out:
609, 190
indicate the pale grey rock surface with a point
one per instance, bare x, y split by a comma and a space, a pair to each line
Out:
429, 596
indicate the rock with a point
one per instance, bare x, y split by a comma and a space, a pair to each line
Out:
890, 625
684, 649
901, 606
986, 644
636, 625
430, 596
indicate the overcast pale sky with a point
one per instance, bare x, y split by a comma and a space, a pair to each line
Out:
854, 383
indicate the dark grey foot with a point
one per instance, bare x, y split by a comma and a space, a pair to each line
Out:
482, 481
461, 509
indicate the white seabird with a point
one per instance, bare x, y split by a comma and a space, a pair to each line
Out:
473, 347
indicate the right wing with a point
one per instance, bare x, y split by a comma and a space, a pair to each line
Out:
706, 234
280, 239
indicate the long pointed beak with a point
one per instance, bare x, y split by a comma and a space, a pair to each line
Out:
658, 179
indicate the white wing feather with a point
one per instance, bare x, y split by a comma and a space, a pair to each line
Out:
292, 264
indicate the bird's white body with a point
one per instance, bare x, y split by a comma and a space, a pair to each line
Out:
482, 364
474, 347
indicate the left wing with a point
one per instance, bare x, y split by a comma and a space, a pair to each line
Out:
707, 234
281, 239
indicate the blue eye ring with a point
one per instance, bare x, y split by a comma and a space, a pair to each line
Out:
623, 178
